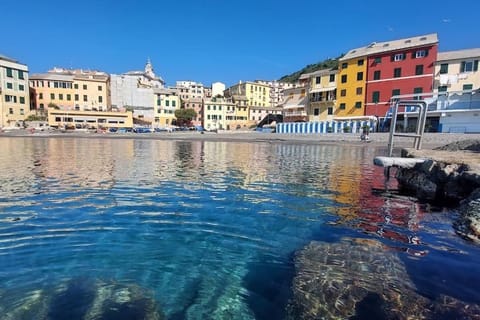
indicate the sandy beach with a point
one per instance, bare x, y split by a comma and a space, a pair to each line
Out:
430, 140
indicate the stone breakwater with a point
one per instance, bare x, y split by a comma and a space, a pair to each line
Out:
450, 176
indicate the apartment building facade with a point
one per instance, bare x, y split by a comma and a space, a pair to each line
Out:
399, 67
322, 95
457, 71
65, 89
166, 102
351, 84
14, 93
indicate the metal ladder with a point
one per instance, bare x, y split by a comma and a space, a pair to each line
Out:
418, 135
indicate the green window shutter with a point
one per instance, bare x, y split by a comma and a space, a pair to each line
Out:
475, 65
426, 53
462, 68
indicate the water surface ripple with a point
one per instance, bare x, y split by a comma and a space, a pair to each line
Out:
209, 228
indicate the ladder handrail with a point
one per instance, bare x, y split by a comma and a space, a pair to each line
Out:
420, 127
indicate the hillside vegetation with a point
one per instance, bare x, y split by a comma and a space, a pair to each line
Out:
325, 64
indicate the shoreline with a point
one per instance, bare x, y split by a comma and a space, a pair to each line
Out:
430, 140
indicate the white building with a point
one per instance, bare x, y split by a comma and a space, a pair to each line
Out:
134, 90
14, 93
190, 90
217, 89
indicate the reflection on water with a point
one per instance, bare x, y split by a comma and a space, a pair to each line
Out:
209, 227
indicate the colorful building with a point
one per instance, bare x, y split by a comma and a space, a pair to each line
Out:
219, 114
457, 71
257, 95
396, 68
322, 95
14, 93
351, 83
78, 90
165, 104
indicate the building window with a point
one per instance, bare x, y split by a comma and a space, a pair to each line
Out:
442, 89
358, 104
60, 96
10, 110
376, 96
76, 97
9, 85
342, 106
84, 87
22, 101
330, 111
419, 69
100, 99
417, 91
75, 86
444, 68
397, 72
398, 57
42, 106
52, 96
467, 87
21, 87
421, 53
343, 92
174, 104
22, 111
360, 62
317, 80
469, 66
395, 92
376, 75
20, 75
344, 78
40, 96
9, 73
85, 98
378, 60
316, 112
344, 65
359, 91
100, 88
359, 76
69, 97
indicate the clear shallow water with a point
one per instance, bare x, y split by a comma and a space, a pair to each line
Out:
208, 229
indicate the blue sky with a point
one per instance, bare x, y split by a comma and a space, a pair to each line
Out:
214, 40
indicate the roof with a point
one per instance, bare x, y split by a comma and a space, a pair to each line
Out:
164, 91
2, 57
379, 47
51, 76
458, 54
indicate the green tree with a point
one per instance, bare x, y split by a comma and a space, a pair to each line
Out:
34, 117
185, 116
53, 106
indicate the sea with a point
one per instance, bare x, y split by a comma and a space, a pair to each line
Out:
116, 228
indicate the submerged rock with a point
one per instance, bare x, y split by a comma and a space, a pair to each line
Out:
359, 278
468, 225
85, 299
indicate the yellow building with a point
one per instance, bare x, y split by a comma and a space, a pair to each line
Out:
71, 90
219, 113
165, 104
257, 95
457, 71
351, 85
14, 93
72, 119
50, 89
322, 95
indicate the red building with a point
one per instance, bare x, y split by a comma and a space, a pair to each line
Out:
399, 67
